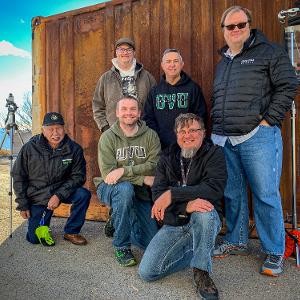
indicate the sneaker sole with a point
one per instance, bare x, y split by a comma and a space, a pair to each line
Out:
269, 272
228, 254
45, 244
129, 264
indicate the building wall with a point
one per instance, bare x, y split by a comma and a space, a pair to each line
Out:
71, 51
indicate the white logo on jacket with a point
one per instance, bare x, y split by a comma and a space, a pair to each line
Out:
130, 152
247, 61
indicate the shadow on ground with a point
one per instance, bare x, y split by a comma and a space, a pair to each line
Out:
67, 271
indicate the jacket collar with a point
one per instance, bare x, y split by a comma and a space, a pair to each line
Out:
256, 37
63, 147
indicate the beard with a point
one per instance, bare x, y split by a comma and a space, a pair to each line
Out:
189, 152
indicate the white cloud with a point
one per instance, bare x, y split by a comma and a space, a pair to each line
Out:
17, 85
6, 49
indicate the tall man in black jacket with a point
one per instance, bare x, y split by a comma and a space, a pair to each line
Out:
51, 169
175, 94
253, 89
188, 187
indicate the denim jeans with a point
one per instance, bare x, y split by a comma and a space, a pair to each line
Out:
257, 161
80, 201
174, 248
131, 217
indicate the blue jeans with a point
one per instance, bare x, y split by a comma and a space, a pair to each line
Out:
80, 201
174, 248
258, 161
131, 217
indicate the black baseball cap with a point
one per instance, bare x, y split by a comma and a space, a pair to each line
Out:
53, 118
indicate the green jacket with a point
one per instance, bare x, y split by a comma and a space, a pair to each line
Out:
138, 155
109, 90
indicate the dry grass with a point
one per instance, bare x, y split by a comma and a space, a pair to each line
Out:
5, 205
4, 152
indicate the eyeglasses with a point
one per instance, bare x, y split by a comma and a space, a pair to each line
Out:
190, 131
231, 27
125, 50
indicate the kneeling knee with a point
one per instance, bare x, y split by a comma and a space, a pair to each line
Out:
32, 238
205, 219
85, 194
125, 188
146, 274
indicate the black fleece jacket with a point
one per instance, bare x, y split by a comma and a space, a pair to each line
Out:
40, 172
206, 180
258, 83
165, 102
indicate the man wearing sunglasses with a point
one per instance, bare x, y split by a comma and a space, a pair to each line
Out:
253, 89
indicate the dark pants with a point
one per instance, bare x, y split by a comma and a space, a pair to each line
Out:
80, 201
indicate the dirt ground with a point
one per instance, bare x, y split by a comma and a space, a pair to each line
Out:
5, 206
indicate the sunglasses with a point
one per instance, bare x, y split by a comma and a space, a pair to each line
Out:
231, 27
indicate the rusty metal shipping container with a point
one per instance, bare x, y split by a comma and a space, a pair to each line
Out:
71, 50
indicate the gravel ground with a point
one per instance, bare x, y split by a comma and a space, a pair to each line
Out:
7, 209
67, 271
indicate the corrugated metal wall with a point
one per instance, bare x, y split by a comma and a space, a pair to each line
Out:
71, 51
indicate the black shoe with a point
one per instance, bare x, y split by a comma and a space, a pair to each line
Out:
109, 227
206, 288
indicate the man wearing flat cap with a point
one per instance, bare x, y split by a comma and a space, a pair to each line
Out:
126, 77
50, 169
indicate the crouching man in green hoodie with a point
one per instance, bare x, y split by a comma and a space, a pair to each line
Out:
127, 155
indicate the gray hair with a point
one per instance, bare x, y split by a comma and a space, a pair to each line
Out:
233, 9
187, 119
170, 50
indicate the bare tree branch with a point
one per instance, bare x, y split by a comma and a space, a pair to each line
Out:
24, 113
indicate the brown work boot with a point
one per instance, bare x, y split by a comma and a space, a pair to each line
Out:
206, 288
75, 238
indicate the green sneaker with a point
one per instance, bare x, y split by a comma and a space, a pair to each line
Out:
125, 257
43, 234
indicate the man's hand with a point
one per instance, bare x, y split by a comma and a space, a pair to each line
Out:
53, 202
148, 180
264, 123
160, 205
199, 205
114, 176
25, 214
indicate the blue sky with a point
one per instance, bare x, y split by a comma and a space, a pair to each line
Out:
15, 41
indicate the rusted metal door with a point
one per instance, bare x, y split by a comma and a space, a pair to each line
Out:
71, 51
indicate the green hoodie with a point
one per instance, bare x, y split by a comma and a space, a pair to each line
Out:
138, 155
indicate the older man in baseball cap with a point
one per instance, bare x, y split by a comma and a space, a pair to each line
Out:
51, 169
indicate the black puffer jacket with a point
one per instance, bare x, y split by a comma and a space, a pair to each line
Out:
259, 83
40, 172
206, 180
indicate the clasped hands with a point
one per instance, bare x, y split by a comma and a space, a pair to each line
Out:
164, 200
